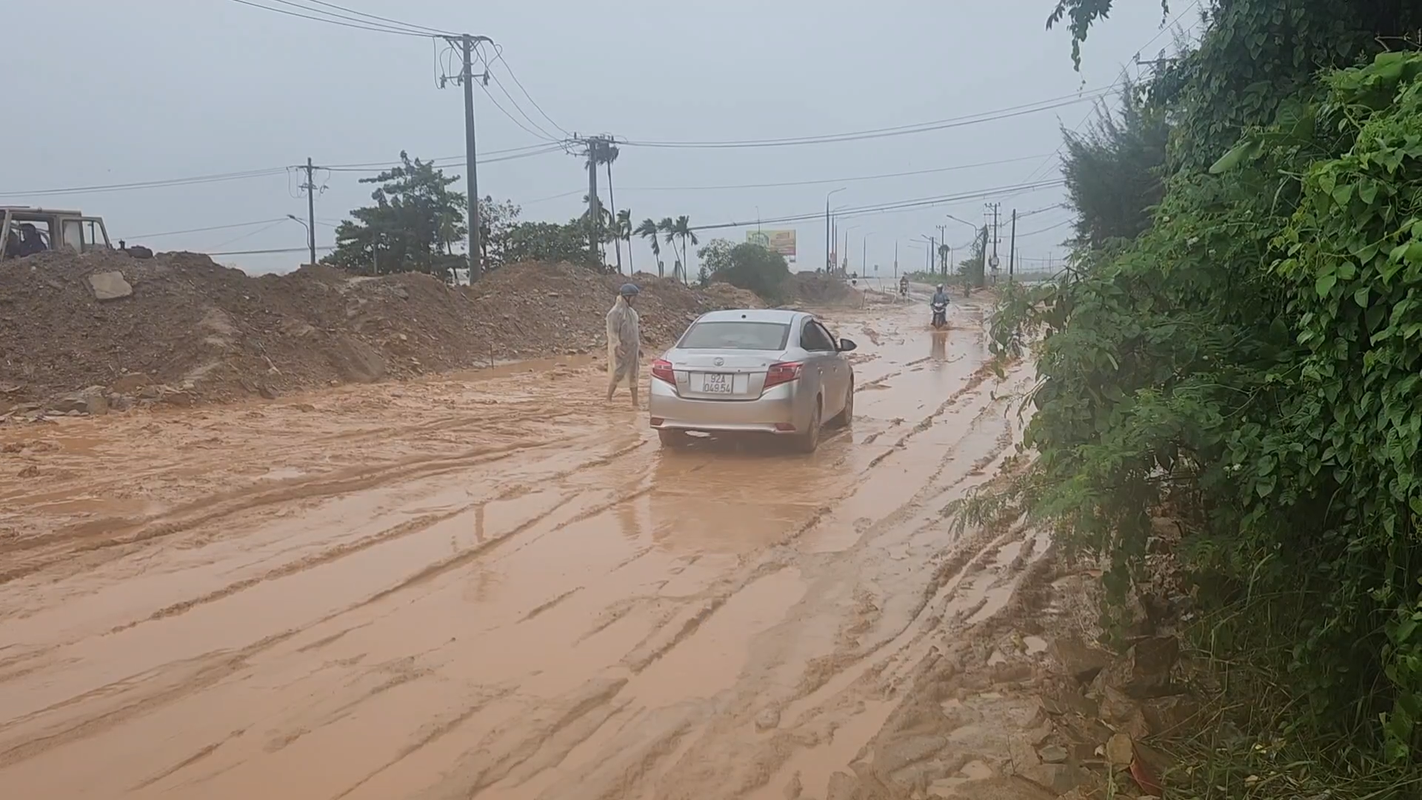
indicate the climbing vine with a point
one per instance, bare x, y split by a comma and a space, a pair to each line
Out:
1253, 359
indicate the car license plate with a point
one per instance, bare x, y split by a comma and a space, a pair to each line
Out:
716, 383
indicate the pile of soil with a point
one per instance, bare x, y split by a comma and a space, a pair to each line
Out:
106, 328
817, 289
733, 296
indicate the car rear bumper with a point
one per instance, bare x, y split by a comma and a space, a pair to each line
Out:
776, 411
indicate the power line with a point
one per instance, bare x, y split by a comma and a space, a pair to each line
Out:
267, 252
208, 228
118, 187
357, 19
434, 31
262, 229
544, 149
818, 181
877, 133
489, 73
900, 205
499, 56
537, 134
524, 148
1168, 26
331, 20
1063, 223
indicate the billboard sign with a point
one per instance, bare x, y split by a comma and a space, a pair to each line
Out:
782, 242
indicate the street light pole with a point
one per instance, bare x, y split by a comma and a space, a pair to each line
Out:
310, 232
829, 244
846, 241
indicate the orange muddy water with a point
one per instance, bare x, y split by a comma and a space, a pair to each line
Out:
489, 585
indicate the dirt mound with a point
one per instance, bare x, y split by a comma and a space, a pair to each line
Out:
109, 328
733, 296
811, 288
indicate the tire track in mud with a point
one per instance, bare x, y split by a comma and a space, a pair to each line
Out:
120, 533
640, 747
680, 626
429, 734
207, 677
407, 528
819, 673
208, 671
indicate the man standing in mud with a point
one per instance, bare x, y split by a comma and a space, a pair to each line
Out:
624, 343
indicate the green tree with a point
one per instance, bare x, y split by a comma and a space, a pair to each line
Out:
495, 222
1114, 170
649, 229
413, 226
547, 242
622, 229
748, 266
681, 228
1242, 358
667, 226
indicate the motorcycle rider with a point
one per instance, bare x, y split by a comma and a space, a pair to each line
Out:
940, 297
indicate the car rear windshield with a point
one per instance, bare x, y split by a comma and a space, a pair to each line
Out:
736, 335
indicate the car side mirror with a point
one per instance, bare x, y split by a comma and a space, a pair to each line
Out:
845, 345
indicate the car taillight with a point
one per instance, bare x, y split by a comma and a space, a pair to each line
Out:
783, 373
662, 371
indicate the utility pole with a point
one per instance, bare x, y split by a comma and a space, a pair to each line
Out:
995, 237
594, 203
310, 187
601, 149
466, 45
982, 263
943, 232
896, 259
1012, 248
612, 202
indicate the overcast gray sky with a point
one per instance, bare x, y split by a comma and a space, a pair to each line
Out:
152, 90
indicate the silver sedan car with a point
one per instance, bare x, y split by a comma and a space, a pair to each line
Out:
753, 371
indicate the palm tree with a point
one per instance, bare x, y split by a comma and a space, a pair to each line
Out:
666, 226
607, 155
623, 229
648, 229
682, 229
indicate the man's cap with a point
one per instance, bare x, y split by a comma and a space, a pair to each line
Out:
628, 289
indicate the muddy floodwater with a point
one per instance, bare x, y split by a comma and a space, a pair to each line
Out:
490, 585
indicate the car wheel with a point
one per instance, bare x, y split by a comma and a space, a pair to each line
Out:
809, 441
846, 417
672, 438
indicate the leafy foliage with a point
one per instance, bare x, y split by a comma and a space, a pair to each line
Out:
548, 242
1249, 353
1254, 359
972, 271
413, 225
1114, 170
748, 266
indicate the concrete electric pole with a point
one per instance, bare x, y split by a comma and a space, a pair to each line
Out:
466, 44
994, 262
310, 187
599, 150
1012, 248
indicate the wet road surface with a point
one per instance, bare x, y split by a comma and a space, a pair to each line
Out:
489, 586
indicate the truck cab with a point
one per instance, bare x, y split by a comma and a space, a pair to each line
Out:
25, 231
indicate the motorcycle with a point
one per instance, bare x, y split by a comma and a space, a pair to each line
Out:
940, 314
